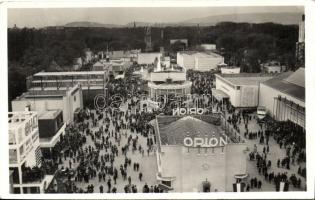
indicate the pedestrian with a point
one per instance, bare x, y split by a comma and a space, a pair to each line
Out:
140, 176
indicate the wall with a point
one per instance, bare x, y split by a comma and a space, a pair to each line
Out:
192, 169
235, 163
207, 63
185, 60
249, 96
273, 69
88, 96
162, 76
230, 70
267, 95
39, 105
148, 58
231, 91
66, 104
266, 99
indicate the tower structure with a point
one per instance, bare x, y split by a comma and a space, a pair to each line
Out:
147, 39
300, 45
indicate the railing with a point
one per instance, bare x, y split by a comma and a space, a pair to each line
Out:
230, 131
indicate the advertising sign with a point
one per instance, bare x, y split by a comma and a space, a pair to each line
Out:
205, 142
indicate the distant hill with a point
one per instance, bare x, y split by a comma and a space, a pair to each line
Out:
90, 24
280, 18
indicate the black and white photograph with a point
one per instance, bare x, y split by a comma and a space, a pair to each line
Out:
129, 99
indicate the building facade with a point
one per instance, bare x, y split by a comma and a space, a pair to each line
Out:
193, 150
51, 128
168, 83
91, 82
25, 154
241, 89
199, 61
148, 58
230, 70
68, 100
284, 97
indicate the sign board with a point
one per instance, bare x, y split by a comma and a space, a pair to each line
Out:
205, 142
189, 111
30, 125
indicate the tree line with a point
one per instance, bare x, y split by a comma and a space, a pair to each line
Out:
246, 45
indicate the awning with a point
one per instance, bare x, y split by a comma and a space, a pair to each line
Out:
240, 176
164, 187
219, 94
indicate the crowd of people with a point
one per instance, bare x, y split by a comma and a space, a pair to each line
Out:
115, 133
291, 140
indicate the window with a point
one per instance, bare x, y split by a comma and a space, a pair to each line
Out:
25, 190
167, 183
34, 190
238, 87
16, 190
74, 98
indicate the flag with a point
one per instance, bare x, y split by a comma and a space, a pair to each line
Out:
282, 186
239, 187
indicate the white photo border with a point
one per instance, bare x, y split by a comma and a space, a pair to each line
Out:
309, 82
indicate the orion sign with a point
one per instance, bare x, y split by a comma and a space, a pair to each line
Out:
205, 142
189, 111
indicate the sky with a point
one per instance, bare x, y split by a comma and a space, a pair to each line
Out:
41, 17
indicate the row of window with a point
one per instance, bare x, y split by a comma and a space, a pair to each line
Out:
205, 150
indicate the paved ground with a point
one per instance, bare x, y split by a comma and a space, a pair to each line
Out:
274, 154
149, 168
147, 163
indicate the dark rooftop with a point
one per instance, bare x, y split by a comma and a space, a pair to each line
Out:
173, 129
281, 83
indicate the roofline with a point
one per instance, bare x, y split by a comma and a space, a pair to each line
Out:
68, 73
284, 91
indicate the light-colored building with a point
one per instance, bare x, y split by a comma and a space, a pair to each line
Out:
91, 82
148, 58
121, 55
230, 70
25, 153
98, 66
284, 96
168, 83
65, 99
118, 67
273, 67
192, 150
51, 127
200, 61
209, 46
242, 89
